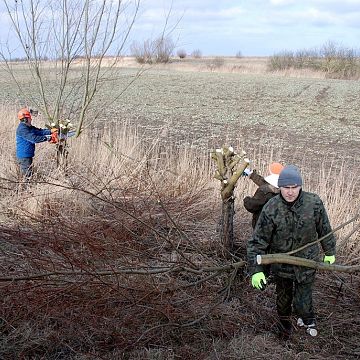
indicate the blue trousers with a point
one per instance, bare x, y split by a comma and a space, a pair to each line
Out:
26, 167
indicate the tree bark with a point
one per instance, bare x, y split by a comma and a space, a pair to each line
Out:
227, 224
61, 156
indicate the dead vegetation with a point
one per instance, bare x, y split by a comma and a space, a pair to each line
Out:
121, 259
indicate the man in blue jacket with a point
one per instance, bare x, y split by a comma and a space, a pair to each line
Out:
27, 136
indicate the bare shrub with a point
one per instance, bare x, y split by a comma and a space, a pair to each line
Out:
239, 55
114, 214
181, 53
339, 62
164, 47
306, 59
143, 52
153, 51
216, 63
197, 54
281, 61
335, 61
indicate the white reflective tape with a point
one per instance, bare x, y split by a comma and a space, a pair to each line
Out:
258, 259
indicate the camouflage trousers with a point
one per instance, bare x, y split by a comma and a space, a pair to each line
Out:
292, 296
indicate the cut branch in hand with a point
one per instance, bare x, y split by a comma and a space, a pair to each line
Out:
292, 260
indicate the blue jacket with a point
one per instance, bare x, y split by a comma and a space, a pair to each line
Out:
27, 137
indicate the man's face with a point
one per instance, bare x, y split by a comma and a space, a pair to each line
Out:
290, 193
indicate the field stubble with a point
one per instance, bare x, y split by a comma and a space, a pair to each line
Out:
310, 121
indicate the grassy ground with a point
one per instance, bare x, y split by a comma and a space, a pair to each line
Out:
139, 196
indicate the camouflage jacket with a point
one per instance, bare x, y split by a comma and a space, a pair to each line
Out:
263, 194
283, 227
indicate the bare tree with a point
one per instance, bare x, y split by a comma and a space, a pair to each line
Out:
77, 36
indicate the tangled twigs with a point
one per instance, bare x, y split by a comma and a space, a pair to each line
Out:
137, 271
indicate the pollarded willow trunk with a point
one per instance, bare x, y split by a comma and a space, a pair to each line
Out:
227, 224
61, 156
230, 166
64, 129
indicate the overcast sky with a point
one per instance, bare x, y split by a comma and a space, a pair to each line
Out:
254, 27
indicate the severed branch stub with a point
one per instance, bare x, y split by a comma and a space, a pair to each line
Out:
230, 166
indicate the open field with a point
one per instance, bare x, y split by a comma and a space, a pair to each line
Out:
149, 201
309, 119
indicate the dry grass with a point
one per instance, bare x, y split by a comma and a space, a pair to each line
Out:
244, 65
127, 203
229, 64
338, 189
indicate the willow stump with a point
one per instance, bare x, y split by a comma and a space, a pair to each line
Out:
230, 166
62, 156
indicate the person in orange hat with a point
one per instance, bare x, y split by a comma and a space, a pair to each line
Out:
27, 136
275, 168
268, 188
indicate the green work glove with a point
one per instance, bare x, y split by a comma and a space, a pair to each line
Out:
258, 281
329, 259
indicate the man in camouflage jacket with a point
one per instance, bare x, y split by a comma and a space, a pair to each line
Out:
287, 222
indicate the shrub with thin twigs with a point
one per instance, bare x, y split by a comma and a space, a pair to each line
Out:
143, 53
197, 54
334, 60
153, 51
215, 63
281, 61
181, 53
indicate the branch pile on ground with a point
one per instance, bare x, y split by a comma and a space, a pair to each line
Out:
126, 277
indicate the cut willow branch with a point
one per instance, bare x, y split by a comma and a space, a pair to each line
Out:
132, 271
292, 260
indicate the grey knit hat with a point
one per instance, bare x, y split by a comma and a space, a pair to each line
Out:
289, 175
